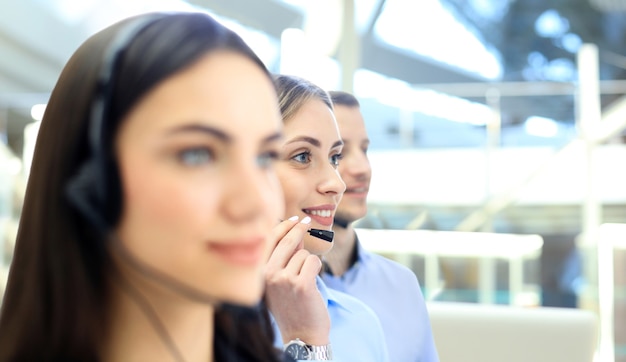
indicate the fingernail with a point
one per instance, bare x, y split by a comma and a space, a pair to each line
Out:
293, 218
306, 220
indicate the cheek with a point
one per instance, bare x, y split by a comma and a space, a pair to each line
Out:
292, 190
165, 202
275, 198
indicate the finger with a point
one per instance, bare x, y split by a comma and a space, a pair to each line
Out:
311, 267
280, 230
294, 266
289, 243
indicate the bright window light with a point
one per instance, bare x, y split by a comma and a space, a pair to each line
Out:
399, 94
262, 45
37, 111
427, 28
550, 24
297, 58
541, 127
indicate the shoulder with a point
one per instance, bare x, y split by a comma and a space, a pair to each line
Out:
355, 326
383, 265
352, 307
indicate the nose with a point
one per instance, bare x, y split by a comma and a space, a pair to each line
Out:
330, 182
250, 192
355, 164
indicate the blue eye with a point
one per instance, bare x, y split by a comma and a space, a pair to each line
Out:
304, 157
195, 156
334, 159
266, 159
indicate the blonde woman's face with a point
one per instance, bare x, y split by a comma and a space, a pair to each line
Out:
307, 169
196, 157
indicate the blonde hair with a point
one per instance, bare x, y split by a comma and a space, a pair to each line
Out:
294, 91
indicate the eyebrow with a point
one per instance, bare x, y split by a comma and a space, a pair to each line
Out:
314, 141
219, 134
195, 128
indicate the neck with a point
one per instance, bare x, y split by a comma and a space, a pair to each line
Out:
340, 257
168, 325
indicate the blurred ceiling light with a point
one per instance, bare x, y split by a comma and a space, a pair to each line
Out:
297, 58
261, 43
427, 28
550, 24
37, 111
293, 52
541, 127
399, 94
323, 25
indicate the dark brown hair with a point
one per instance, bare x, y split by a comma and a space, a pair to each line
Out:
341, 98
56, 301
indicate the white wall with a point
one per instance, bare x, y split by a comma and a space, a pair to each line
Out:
458, 176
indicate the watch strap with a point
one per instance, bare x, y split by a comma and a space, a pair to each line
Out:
320, 353
315, 353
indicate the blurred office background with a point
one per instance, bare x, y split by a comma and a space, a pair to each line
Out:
496, 127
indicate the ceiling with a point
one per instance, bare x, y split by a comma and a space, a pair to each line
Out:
37, 37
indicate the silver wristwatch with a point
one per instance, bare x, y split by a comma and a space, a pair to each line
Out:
306, 352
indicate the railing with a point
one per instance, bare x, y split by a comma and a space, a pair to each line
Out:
486, 247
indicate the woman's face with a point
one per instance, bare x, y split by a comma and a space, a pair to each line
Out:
308, 169
196, 158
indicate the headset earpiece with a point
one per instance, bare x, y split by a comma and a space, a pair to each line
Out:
95, 190
82, 194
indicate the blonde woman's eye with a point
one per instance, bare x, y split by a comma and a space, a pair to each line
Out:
266, 159
195, 156
304, 157
334, 159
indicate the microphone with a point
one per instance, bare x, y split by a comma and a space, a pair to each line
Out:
326, 235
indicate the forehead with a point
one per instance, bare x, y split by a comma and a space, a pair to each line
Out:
222, 88
350, 121
314, 118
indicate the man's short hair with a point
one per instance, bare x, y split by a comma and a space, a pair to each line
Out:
341, 98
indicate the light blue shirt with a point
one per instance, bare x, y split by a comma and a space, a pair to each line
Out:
355, 333
393, 292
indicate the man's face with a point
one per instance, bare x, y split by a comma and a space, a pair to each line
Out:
354, 166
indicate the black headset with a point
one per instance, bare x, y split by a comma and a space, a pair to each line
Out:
90, 191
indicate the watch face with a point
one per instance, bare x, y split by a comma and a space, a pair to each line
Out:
297, 351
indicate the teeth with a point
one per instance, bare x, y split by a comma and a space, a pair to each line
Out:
322, 213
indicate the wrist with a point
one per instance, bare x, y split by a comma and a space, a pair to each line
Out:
303, 351
312, 340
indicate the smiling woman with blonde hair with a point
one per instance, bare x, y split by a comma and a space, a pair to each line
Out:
307, 169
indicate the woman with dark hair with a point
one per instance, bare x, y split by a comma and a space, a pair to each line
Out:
151, 195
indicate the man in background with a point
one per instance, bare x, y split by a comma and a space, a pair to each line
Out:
389, 288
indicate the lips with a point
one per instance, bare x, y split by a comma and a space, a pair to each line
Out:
357, 190
323, 215
248, 253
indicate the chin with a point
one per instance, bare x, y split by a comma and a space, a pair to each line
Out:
244, 296
317, 246
354, 214
244, 291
